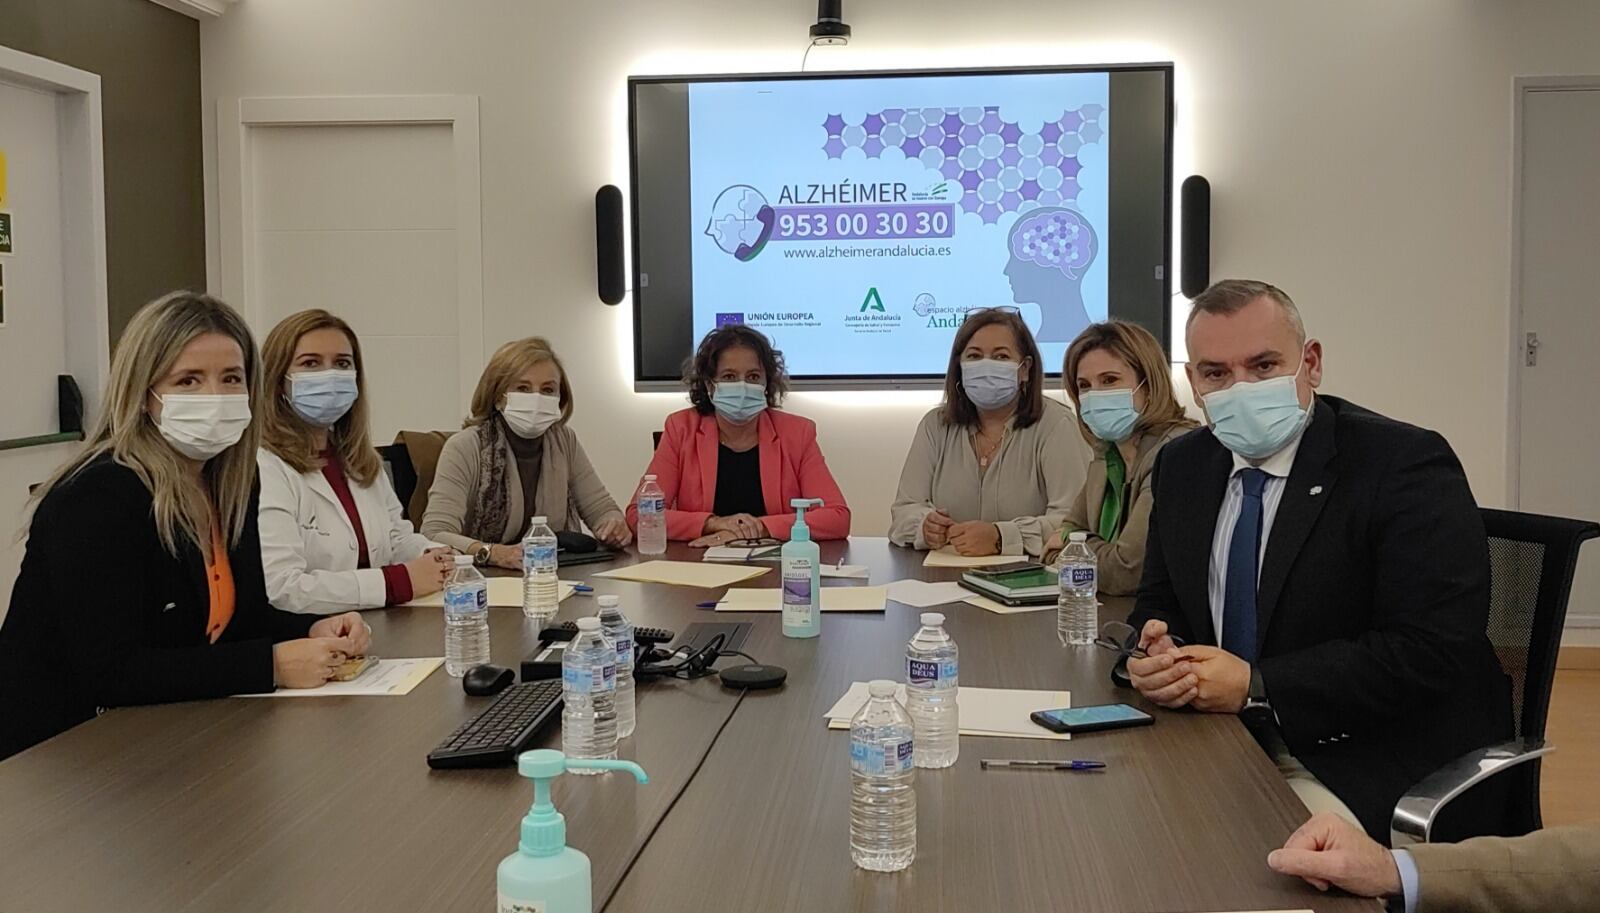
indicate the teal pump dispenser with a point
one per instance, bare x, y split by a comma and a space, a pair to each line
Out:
802, 576
545, 875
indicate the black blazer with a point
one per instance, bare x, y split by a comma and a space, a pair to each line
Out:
103, 616
1372, 606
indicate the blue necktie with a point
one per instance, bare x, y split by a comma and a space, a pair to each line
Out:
1239, 591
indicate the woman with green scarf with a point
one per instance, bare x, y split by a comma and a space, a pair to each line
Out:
1120, 383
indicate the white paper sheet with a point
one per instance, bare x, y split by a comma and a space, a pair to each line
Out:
834, 599
920, 594
504, 592
948, 558
741, 553
1000, 608
386, 677
686, 573
998, 712
847, 571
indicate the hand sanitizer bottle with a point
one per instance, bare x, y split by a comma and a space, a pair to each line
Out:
802, 576
545, 875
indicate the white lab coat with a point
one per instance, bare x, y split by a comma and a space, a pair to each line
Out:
308, 547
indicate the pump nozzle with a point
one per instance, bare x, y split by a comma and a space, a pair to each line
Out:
544, 830
801, 532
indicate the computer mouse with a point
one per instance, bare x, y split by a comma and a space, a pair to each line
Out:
487, 679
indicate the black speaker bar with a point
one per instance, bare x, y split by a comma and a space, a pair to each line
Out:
609, 278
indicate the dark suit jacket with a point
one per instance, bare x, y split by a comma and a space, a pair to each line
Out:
1372, 605
103, 616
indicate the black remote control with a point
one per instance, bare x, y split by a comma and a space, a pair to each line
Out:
647, 636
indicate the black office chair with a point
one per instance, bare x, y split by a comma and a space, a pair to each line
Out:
1531, 563
402, 474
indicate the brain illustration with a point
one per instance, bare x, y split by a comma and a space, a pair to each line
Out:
1055, 239
993, 164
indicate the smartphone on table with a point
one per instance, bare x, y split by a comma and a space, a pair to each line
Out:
1096, 718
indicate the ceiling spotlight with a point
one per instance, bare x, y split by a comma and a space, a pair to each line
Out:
830, 28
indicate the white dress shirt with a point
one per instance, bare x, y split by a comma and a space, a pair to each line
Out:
1277, 469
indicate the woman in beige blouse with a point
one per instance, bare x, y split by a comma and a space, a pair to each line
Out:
517, 442
1120, 382
993, 470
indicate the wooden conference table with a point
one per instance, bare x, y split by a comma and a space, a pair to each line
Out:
327, 804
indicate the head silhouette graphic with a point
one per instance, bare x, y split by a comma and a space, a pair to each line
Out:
1051, 249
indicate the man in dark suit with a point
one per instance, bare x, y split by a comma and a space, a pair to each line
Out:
1325, 568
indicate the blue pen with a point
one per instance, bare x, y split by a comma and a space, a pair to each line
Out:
1045, 765
705, 605
582, 589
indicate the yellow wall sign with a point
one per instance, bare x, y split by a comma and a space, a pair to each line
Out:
2, 176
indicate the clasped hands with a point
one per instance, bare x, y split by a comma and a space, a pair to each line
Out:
1205, 678
722, 530
973, 537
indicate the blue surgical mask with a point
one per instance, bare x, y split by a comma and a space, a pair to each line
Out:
322, 397
1257, 419
737, 401
1108, 414
988, 383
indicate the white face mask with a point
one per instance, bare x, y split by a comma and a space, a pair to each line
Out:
199, 425
531, 414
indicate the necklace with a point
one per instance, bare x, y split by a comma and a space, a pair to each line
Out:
986, 454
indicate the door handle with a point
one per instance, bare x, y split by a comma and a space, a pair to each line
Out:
1531, 350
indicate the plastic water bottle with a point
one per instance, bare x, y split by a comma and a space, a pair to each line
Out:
931, 685
588, 692
1077, 612
883, 804
652, 506
541, 593
619, 630
466, 618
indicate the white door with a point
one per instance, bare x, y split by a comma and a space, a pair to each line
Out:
1558, 285
32, 315
360, 219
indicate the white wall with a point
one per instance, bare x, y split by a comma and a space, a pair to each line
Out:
1359, 154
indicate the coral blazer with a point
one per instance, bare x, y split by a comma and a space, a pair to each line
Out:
685, 466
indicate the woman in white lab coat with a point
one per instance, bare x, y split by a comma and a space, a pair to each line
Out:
332, 535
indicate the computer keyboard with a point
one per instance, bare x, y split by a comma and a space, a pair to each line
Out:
502, 731
648, 637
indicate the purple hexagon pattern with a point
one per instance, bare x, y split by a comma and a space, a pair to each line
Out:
948, 140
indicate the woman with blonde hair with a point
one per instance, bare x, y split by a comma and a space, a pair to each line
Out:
333, 537
517, 460
1120, 382
141, 582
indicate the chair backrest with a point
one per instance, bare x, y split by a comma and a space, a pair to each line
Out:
1531, 563
402, 475
422, 451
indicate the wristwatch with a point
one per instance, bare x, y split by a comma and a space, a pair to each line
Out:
481, 556
1257, 713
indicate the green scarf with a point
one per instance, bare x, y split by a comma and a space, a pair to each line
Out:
1111, 505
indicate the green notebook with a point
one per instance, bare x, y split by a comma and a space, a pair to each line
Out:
1029, 584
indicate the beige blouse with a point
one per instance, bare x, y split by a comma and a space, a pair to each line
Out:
1026, 491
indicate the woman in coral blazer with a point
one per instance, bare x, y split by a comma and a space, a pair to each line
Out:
730, 463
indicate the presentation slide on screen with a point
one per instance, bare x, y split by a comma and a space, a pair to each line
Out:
857, 221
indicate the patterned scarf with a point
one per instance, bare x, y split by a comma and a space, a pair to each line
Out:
486, 522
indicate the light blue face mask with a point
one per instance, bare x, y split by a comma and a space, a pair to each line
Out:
990, 384
1255, 420
737, 401
322, 397
1109, 414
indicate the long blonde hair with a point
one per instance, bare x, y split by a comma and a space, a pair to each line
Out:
146, 353
284, 432
506, 365
1137, 348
